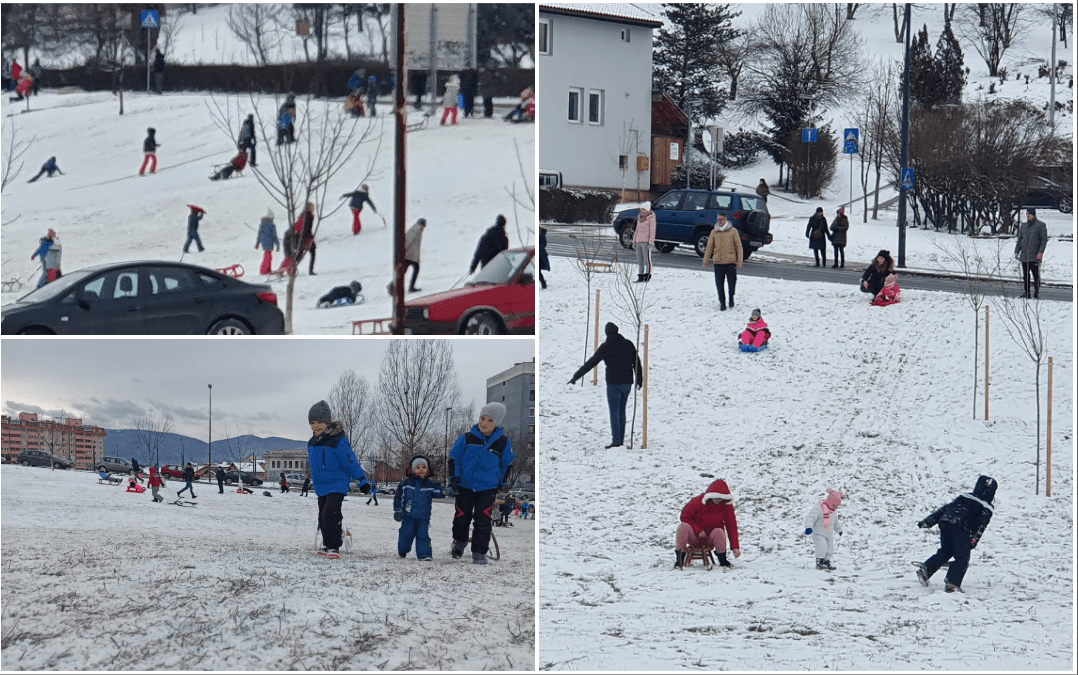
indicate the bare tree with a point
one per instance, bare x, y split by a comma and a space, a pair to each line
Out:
992, 28
239, 450
523, 455
417, 381
876, 120
627, 142
14, 149
900, 23
353, 403
150, 432
56, 437
255, 25
587, 253
633, 302
526, 201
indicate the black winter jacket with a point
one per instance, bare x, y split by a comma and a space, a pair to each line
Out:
875, 277
493, 242
971, 512
621, 360
817, 231
150, 144
189, 474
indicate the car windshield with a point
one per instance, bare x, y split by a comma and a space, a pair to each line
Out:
58, 287
501, 269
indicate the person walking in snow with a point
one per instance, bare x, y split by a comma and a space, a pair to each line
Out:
286, 121
193, 220
1029, 251
839, 228
449, 100
268, 240
283, 483
44, 245
506, 508
189, 478
756, 334
155, 484
36, 72
708, 520
333, 465
726, 255
494, 241
479, 466
644, 240
412, 508
962, 524
544, 259
875, 275
149, 149
817, 233
413, 242
469, 87
622, 366
306, 486
248, 140
358, 199
373, 495
49, 168
763, 190
524, 506
821, 523
372, 94
305, 228
159, 71
136, 470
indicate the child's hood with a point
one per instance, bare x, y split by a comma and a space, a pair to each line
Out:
718, 490
985, 489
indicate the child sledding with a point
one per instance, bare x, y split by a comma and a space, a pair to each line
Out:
755, 336
342, 295
890, 294
236, 165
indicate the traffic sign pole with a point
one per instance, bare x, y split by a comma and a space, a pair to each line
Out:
147, 60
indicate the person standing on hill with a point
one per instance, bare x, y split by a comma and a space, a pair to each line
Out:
486, 91
155, 485
149, 149
43, 246
413, 242
763, 190
622, 364
724, 251
248, 141
839, 228
333, 465
644, 240
267, 239
220, 480
1029, 251
544, 259
305, 228
36, 71
469, 86
372, 94
494, 241
193, 220
817, 233
159, 70
449, 100
358, 199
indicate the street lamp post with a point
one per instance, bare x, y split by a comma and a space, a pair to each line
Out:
688, 145
209, 438
905, 147
445, 448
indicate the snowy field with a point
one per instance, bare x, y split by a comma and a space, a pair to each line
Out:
874, 401
458, 179
96, 578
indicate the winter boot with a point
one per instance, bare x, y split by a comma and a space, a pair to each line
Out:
951, 588
679, 559
827, 563
458, 549
479, 558
821, 564
639, 278
723, 562
647, 277
922, 574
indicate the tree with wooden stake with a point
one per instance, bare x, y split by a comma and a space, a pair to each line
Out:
975, 269
632, 300
585, 263
1022, 321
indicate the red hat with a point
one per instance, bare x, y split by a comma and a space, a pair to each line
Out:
718, 490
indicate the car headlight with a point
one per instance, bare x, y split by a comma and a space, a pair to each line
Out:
426, 313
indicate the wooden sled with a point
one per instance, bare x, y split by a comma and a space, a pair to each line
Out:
421, 124
701, 553
372, 327
234, 271
600, 266
12, 286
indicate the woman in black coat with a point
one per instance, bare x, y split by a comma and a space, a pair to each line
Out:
544, 259
818, 235
876, 273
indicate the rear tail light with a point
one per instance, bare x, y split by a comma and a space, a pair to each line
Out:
268, 296
737, 215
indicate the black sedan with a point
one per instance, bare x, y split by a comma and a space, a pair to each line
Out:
145, 298
233, 477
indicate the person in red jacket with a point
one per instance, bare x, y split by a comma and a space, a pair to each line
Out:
706, 521
155, 484
237, 163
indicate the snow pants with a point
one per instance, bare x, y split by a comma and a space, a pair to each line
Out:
267, 262
193, 237
686, 538
415, 272
356, 224
474, 506
643, 257
44, 275
449, 109
414, 528
151, 159
617, 396
758, 340
824, 543
954, 542
330, 519
156, 497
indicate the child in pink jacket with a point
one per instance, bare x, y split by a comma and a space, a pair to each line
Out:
755, 336
890, 294
644, 240
821, 523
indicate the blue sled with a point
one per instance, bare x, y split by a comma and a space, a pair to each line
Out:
750, 348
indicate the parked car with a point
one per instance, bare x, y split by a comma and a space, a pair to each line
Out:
233, 477
175, 471
145, 298
42, 458
295, 480
688, 216
1044, 193
114, 465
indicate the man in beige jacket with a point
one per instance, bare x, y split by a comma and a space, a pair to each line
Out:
724, 251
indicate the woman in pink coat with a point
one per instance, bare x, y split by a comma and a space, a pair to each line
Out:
644, 240
756, 334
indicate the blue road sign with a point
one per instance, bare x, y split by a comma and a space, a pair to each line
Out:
808, 135
850, 146
907, 179
151, 19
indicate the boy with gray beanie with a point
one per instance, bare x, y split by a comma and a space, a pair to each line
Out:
333, 465
479, 466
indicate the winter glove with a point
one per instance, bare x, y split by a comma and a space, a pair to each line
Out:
451, 491
365, 488
572, 381
398, 516
923, 524
973, 542
808, 530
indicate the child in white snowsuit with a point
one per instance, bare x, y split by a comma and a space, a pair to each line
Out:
821, 524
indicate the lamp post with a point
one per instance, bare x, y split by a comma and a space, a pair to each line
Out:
905, 147
445, 448
688, 145
716, 148
209, 437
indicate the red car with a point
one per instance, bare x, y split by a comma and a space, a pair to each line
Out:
499, 300
175, 471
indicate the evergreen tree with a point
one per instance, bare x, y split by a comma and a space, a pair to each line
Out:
950, 69
687, 61
923, 80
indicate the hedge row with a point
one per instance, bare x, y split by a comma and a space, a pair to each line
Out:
568, 205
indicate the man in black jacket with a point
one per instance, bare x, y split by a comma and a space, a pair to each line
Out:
493, 242
622, 363
962, 523
221, 480
189, 477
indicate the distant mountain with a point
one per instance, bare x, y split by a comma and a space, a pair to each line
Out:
176, 448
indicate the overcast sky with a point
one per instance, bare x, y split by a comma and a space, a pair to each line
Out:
260, 386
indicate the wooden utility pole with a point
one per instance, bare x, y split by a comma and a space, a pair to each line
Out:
1048, 444
399, 180
595, 372
987, 311
646, 330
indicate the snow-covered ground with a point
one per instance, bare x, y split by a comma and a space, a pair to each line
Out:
875, 401
459, 178
95, 578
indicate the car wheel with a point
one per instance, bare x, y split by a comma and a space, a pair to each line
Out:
483, 323
626, 234
228, 482
700, 242
667, 247
57, 465
747, 251
37, 330
1066, 205
230, 327
26, 462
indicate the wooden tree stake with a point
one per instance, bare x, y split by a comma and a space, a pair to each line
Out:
595, 372
987, 309
1048, 444
645, 364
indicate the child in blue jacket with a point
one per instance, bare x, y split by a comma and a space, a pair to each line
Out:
479, 466
412, 506
333, 465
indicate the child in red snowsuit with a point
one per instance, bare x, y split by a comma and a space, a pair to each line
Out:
756, 334
890, 294
155, 484
705, 521
237, 163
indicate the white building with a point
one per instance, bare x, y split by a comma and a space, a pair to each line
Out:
593, 94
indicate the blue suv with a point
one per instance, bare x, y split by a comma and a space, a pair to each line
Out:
688, 216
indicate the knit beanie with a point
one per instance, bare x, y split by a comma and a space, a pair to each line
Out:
611, 328
842, 210
417, 462
496, 411
819, 209
646, 206
320, 412
834, 498
1032, 212
756, 314
500, 221
269, 214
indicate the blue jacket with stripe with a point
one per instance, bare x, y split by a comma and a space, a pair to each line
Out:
333, 464
481, 463
415, 496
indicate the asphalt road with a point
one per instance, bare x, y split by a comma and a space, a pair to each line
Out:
794, 268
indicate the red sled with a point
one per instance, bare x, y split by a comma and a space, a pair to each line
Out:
136, 488
234, 271
196, 207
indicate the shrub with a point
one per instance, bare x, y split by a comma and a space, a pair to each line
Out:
741, 149
571, 205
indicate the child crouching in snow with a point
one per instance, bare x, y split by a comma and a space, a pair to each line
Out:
821, 524
755, 336
706, 521
412, 508
962, 524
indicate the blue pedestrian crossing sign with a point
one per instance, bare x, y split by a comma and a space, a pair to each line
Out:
151, 19
808, 135
907, 179
850, 147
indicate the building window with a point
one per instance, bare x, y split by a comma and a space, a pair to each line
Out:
531, 413
531, 396
624, 34
531, 429
595, 106
544, 37
674, 151
576, 102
